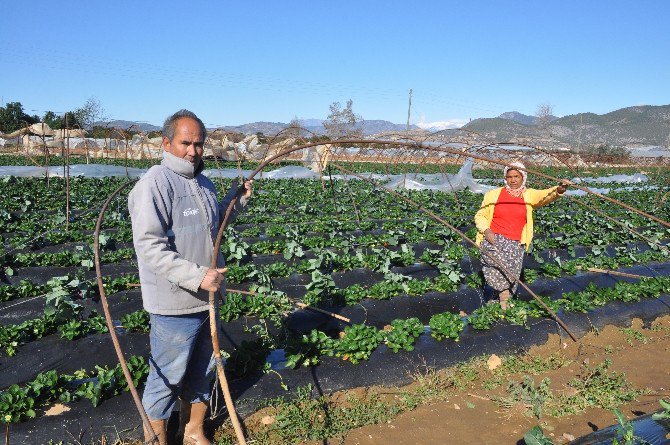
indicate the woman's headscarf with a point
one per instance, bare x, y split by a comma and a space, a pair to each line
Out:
516, 192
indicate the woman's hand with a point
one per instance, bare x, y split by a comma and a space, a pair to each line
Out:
249, 187
490, 236
563, 186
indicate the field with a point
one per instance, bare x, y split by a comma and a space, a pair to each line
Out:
410, 287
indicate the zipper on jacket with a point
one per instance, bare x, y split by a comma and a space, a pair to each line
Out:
194, 183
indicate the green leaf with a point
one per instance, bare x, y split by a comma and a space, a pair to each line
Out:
535, 436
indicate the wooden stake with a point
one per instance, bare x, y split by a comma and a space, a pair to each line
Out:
297, 303
614, 272
339, 317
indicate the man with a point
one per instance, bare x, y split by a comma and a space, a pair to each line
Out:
175, 217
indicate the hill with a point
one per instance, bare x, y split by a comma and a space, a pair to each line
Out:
315, 126
638, 125
522, 118
119, 123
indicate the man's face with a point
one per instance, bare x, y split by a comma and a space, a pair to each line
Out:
188, 141
514, 179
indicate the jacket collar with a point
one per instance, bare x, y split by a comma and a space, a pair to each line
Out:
181, 166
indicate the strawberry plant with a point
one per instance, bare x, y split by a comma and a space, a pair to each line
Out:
485, 316
73, 329
402, 334
25, 288
233, 307
278, 270
665, 414
307, 350
233, 248
16, 404
358, 343
446, 325
19, 403
354, 294
319, 288
138, 321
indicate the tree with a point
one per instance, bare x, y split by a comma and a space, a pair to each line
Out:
53, 120
294, 129
91, 112
101, 132
343, 123
12, 117
544, 116
59, 122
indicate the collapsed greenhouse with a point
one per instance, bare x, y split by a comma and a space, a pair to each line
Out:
349, 267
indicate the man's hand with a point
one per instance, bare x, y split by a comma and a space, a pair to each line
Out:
490, 236
213, 279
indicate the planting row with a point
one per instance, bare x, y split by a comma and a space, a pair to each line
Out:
356, 343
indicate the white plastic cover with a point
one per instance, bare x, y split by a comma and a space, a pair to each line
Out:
422, 181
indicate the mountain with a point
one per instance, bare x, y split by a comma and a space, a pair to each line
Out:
378, 126
638, 125
522, 118
267, 128
311, 122
127, 124
315, 126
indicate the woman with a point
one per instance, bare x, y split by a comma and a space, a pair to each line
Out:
505, 228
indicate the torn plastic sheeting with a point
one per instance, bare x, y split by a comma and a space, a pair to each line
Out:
441, 182
604, 191
290, 172
636, 177
227, 173
22, 171
98, 171
86, 170
649, 151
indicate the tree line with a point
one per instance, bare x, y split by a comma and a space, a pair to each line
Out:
13, 117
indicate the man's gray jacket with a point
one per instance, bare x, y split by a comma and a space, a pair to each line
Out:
175, 217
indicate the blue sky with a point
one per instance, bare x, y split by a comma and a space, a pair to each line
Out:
243, 61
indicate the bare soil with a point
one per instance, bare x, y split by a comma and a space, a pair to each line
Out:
469, 416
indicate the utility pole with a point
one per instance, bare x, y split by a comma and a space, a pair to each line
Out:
409, 107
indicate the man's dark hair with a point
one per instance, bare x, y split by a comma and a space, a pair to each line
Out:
170, 124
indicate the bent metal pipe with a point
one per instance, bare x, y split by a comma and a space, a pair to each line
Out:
108, 318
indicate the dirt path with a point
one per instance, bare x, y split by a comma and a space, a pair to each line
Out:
469, 416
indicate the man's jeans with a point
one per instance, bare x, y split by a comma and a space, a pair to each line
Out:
182, 363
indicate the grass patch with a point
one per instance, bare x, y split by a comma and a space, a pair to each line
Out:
633, 334
308, 417
596, 387
513, 364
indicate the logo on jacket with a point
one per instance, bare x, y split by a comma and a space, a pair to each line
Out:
189, 212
